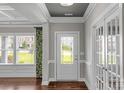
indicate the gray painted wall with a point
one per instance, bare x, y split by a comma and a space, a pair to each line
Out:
88, 40
65, 27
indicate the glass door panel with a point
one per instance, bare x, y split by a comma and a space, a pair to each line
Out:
67, 50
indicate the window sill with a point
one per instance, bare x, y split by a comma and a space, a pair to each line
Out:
17, 64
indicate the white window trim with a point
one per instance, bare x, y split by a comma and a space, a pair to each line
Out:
15, 50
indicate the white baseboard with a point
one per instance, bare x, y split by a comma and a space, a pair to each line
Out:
45, 82
82, 79
52, 79
87, 84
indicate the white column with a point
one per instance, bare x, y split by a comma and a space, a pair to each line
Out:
45, 54
4, 53
121, 24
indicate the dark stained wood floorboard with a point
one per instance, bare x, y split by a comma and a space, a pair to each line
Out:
35, 84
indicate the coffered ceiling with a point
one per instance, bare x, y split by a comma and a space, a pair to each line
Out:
40, 13
7, 13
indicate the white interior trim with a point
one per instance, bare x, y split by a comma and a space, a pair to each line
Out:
121, 23
82, 61
45, 54
89, 10
5, 7
44, 10
20, 25
111, 8
51, 61
66, 20
45, 83
87, 84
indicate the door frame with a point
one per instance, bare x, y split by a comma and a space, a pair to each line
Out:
55, 52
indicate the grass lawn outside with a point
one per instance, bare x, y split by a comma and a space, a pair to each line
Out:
23, 57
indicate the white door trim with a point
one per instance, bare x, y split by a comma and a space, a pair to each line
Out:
55, 65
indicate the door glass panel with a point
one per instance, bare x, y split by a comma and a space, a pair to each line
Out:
109, 45
117, 45
102, 46
67, 50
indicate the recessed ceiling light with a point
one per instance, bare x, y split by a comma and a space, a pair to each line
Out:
66, 4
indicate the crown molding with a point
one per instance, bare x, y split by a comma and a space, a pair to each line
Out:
6, 7
89, 10
44, 10
110, 9
66, 20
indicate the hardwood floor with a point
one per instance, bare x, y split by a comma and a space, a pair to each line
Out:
35, 84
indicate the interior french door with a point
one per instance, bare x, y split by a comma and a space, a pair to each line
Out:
100, 56
107, 53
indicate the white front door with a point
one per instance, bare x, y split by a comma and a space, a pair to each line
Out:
66, 56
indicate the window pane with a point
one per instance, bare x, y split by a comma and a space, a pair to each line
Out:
25, 57
0, 57
67, 50
25, 42
9, 57
9, 42
0, 42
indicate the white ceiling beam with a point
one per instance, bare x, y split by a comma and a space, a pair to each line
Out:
5, 14
31, 11
6, 7
18, 19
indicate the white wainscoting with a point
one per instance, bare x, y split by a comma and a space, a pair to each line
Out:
52, 72
17, 70
88, 75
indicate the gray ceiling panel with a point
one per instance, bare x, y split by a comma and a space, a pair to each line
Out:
77, 9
